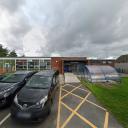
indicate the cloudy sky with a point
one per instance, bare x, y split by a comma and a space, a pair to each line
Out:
92, 28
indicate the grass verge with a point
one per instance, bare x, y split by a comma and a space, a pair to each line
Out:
115, 99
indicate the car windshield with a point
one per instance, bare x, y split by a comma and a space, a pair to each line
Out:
38, 81
13, 78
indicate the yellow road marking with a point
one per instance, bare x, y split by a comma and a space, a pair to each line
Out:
96, 105
70, 117
66, 85
78, 88
59, 108
74, 94
106, 120
81, 117
74, 112
69, 92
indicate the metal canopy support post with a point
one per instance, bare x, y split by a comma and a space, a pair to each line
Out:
3, 65
15, 64
27, 64
39, 64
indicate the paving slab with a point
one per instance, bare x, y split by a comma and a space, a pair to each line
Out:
71, 78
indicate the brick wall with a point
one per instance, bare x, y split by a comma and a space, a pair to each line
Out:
56, 63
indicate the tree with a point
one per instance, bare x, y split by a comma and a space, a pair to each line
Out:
3, 51
12, 54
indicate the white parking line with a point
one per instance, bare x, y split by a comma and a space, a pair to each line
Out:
5, 118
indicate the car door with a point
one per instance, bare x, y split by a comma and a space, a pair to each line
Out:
53, 84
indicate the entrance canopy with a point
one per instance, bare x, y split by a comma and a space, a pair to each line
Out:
100, 73
74, 64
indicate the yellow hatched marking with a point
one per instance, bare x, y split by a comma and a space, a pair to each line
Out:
106, 120
81, 117
78, 88
69, 92
74, 94
96, 105
74, 112
66, 85
70, 117
59, 108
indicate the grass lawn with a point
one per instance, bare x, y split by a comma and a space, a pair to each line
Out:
114, 98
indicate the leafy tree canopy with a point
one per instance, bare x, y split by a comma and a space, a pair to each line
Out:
3, 51
12, 54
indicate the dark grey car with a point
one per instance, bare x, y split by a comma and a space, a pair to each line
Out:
11, 84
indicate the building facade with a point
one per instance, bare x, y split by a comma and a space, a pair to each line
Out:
10, 64
63, 64
68, 64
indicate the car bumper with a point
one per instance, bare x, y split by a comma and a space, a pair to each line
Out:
33, 114
4, 101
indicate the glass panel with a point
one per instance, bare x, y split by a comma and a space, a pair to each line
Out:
101, 73
21, 65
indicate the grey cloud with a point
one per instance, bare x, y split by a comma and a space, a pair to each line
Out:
74, 28
11, 5
96, 24
17, 24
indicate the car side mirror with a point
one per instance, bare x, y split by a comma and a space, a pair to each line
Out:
26, 79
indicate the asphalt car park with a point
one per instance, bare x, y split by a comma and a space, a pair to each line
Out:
49, 122
41, 85
74, 106
78, 108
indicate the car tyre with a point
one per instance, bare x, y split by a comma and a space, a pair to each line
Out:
50, 106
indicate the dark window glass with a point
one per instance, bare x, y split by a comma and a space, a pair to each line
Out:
39, 82
13, 78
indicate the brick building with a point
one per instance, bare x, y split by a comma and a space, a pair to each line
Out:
68, 64
63, 64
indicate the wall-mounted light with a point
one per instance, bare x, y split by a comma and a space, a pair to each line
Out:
56, 61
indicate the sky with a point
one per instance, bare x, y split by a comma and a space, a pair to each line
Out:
86, 28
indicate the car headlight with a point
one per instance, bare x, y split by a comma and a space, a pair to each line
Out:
42, 101
6, 92
15, 99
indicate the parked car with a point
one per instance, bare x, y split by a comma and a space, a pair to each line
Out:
11, 84
34, 101
1, 77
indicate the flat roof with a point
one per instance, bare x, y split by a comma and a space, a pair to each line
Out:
73, 58
25, 58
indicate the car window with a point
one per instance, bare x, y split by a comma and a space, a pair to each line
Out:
38, 81
13, 78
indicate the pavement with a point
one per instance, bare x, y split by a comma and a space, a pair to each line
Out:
74, 107
78, 108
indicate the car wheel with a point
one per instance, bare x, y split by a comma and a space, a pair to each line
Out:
50, 106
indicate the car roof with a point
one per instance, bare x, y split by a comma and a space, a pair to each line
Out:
23, 72
46, 73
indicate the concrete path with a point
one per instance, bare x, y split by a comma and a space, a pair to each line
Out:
78, 108
71, 78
